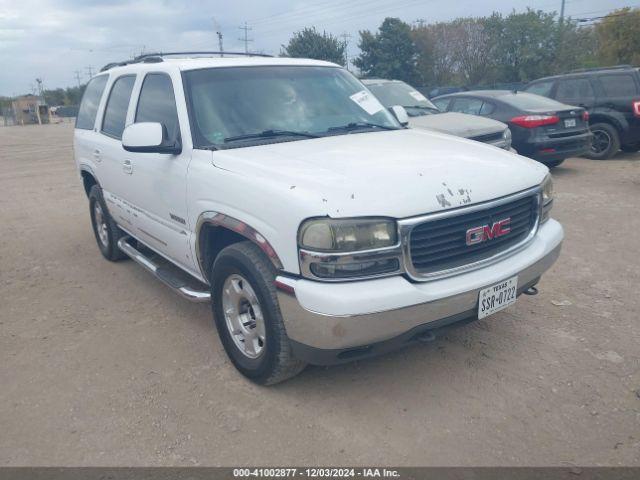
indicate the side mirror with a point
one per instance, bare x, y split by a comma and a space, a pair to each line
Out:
401, 114
148, 137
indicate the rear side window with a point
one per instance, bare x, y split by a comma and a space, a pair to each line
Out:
115, 113
157, 103
471, 106
487, 108
86, 118
618, 85
540, 88
574, 91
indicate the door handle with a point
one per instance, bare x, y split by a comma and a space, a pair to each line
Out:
127, 167
96, 155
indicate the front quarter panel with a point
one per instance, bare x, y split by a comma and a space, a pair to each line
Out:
264, 204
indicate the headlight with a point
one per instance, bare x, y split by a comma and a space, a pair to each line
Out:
547, 198
343, 249
506, 136
347, 235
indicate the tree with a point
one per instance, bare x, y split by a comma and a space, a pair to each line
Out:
309, 43
525, 44
389, 53
619, 37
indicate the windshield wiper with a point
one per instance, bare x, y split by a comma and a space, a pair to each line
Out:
422, 107
358, 125
270, 134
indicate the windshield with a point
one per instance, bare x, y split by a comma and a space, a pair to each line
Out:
399, 93
243, 106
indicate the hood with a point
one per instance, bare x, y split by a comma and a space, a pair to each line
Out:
399, 173
459, 124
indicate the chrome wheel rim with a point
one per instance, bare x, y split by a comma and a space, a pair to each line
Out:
600, 142
243, 316
101, 224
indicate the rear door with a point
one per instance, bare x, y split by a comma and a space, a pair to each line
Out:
576, 91
108, 148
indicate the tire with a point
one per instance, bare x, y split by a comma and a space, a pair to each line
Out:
247, 315
105, 229
605, 143
632, 148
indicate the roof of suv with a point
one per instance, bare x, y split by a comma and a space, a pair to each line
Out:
591, 71
194, 63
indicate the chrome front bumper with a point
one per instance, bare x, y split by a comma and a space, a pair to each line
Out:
325, 327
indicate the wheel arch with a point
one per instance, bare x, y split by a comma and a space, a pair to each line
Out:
89, 178
614, 121
215, 231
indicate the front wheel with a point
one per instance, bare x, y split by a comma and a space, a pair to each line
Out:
605, 142
247, 315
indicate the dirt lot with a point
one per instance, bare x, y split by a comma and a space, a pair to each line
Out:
102, 365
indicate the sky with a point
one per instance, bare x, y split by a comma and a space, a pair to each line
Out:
61, 41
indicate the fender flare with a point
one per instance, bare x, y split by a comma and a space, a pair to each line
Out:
237, 226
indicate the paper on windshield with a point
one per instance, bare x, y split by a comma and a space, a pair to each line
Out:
367, 102
418, 96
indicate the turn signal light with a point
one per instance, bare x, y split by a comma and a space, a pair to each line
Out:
533, 121
585, 116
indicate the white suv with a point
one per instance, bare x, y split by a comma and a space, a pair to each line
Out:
320, 227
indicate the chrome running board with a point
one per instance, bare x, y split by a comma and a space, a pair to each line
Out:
166, 274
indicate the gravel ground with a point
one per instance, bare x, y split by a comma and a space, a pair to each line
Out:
102, 365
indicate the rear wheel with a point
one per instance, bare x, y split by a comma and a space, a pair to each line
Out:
247, 315
554, 163
605, 142
105, 229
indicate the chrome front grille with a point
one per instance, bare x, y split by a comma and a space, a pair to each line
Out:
436, 245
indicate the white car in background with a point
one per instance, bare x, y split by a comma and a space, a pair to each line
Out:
320, 228
424, 114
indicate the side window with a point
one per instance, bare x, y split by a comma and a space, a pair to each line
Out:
540, 88
487, 108
157, 103
574, 91
86, 118
442, 103
115, 113
618, 85
471, 106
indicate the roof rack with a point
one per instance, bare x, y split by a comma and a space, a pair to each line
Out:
596, 69
158, 57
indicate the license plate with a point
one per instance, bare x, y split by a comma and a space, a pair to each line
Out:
497, 297
570, 123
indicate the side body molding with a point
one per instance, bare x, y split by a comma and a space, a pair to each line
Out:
221, 220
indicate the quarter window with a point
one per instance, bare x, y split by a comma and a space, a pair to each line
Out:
442, 103
90, 100
157, 103
115, 114
618, 85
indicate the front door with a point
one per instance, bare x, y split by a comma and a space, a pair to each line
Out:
157, 191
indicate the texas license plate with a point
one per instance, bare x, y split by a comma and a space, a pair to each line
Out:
570, 123
497, 297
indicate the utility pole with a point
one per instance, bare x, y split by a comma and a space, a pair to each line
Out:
218, 30
345, 41
77, 75
562, 12
246, 38
89, 70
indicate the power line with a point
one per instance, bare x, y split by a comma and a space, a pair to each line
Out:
246, 38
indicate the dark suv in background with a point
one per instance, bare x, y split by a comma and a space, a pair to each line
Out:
611, 95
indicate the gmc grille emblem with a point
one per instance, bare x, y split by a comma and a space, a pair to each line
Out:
483, 233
